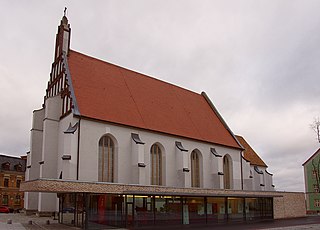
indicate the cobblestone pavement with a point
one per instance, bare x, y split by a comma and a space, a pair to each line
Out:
22, 222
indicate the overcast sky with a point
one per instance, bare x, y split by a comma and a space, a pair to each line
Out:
259, 62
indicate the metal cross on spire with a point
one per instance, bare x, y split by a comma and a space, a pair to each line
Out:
65, 11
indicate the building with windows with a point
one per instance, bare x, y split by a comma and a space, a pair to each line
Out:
12, 173
113, 147
256, 177
311, 180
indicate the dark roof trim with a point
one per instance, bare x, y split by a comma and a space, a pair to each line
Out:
186, 170
66, 157
180, 147
268, 172
137, 139
214, 152
206, 97
68, 77
257, 170
72, 129
245, 159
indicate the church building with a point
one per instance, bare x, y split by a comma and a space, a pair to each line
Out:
113, 147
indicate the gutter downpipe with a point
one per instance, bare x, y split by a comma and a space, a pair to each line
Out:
241, 165
78, 149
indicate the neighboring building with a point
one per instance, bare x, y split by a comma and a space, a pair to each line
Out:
111, 146
311, 180
12, 173
255, 174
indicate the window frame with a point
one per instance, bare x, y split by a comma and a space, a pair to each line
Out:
106, 155
156, 165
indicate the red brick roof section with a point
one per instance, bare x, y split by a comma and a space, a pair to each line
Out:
249, 154
111, 93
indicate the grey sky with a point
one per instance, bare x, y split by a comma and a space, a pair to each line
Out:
257, 60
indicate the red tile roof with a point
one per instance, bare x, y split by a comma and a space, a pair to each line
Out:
111, 93
249, 154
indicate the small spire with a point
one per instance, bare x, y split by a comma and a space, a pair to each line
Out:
64, 20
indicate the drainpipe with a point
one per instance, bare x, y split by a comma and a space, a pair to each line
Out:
78, 149
241, 170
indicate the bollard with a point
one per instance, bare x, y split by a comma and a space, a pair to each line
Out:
48, 222
9, 221
30, 222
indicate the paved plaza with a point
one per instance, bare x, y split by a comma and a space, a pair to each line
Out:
22, 222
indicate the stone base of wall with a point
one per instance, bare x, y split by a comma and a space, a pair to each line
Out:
289, 205
44, 214
29, 212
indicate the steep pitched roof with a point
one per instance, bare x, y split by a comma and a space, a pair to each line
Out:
249, 154
111, 93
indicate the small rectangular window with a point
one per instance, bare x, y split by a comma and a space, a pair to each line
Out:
5, 200
18, 183
6, 182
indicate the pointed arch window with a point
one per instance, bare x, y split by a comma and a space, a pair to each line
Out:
106, 159
195, 169
156, 165
226, 172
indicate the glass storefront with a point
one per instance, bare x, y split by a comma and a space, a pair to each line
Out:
235, 209
104, 211
216, 209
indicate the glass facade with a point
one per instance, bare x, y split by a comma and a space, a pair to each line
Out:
103, 211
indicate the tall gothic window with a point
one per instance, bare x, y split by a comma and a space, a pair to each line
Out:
156, 165
226, 172
195, 169
106, 160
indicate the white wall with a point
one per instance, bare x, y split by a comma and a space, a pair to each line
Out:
92, 131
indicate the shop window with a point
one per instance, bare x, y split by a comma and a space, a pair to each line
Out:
216, 210
235, 209
168, 210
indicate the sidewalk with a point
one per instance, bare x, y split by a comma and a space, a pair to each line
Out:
21, 222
